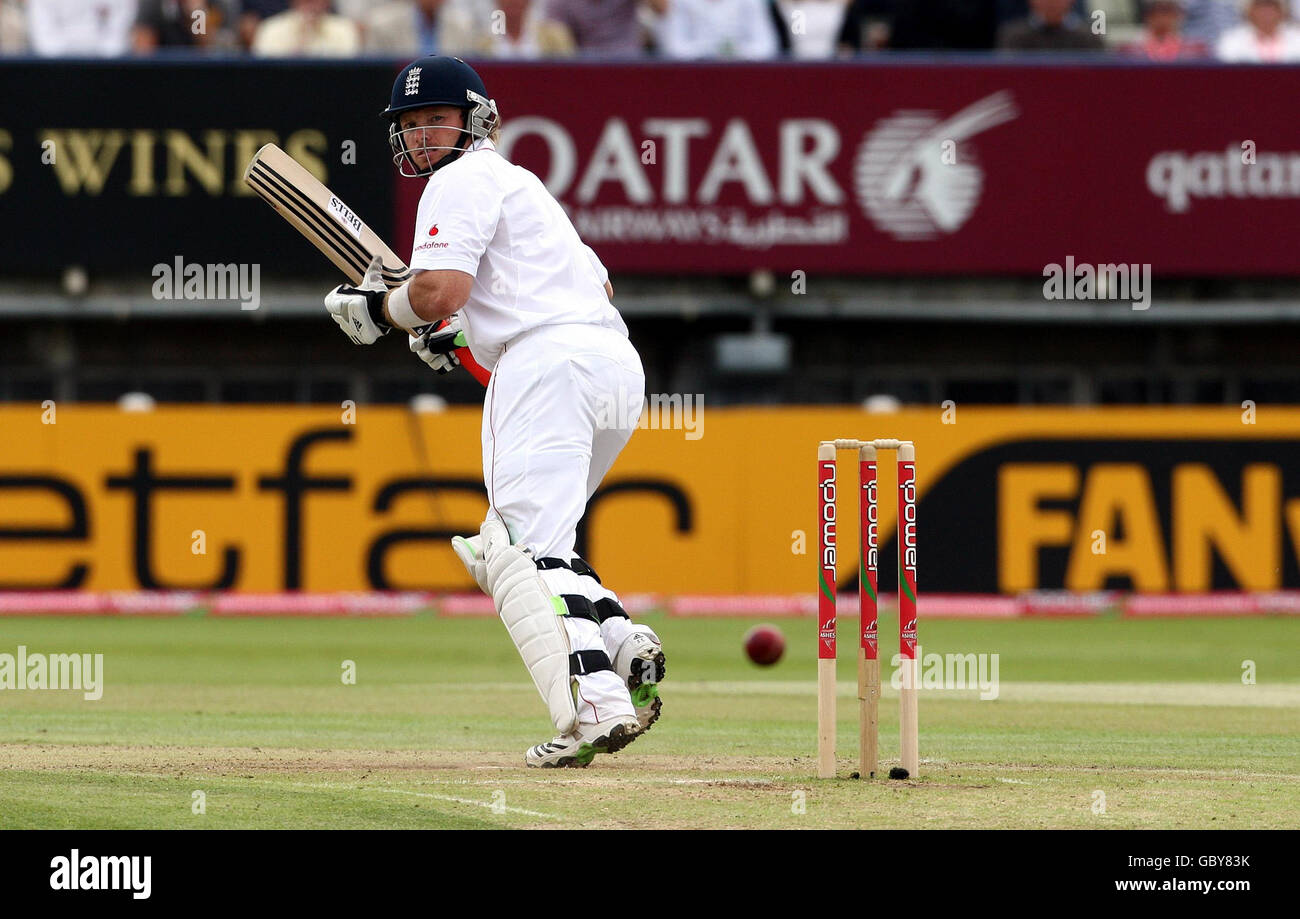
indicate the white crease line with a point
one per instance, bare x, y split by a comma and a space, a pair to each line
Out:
1153, 770
334, 786
487, 804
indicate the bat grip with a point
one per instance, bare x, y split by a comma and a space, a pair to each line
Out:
476, 370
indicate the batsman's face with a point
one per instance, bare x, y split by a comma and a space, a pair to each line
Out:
437, 126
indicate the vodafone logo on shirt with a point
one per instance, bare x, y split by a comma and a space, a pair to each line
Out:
428, 243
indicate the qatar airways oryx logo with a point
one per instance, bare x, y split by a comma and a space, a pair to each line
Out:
916, 174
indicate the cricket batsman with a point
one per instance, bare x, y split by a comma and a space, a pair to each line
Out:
498, 267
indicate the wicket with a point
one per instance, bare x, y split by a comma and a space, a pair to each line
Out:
868, 650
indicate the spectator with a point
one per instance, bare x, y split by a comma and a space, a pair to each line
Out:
251, 15
962, 25
718, 28
80, 28
415, 28
1050, 27
1121, 20
779, 27
175, 24
1162, 39
523, 33
1265, 38
1006, 11
813, 26
607, 28
356, 10
866, 26
309, 29
1207, 20
13, 27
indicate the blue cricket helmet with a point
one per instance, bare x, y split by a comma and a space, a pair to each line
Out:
438, 80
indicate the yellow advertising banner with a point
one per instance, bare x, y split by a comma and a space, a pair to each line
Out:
269, 498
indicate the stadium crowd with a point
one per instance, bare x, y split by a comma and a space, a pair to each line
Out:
1239, 31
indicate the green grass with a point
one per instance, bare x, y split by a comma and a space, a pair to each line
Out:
252, 713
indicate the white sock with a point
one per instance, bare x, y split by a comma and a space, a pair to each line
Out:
601, 695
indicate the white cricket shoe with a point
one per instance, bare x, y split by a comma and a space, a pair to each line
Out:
580, 747
641, 664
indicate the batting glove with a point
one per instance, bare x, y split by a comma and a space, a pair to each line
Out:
359, 311
437, 345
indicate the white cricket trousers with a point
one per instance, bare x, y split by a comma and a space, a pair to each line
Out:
562, 403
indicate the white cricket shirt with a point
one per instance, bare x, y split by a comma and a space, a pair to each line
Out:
494, 220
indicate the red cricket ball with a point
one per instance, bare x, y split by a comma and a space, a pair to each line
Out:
764, 644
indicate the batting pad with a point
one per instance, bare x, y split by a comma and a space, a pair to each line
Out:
533, 618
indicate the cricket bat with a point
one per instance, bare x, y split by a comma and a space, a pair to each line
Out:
330, 225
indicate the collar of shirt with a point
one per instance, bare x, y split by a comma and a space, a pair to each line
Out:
482, 143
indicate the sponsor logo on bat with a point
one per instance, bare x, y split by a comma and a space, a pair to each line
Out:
343, 214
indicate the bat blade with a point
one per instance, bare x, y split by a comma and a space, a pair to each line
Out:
330, 225
321, 216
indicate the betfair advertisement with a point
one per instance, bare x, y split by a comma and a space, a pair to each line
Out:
346, 498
